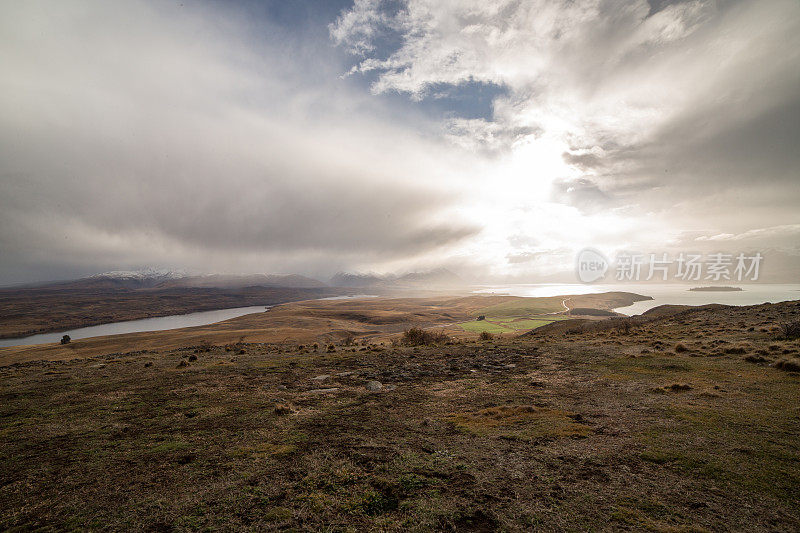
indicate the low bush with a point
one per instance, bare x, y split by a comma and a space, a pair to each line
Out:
791, 330
789, 365
418, 337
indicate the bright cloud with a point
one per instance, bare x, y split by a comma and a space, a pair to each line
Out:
613, 107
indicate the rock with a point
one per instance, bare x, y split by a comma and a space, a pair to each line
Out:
345, 374
322, 377
323, 391
374, 386
182, 364
192, 357
390, 387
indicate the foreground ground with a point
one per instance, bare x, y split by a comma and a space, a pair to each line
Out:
683, 422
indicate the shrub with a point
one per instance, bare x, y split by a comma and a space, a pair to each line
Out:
736, 350
283, 409
65, 339
418, 337
791, 330
789, 365
485, 336
624, 325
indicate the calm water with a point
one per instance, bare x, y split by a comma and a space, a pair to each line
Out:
134, 326
661, 293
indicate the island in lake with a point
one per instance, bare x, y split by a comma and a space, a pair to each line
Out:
715, 289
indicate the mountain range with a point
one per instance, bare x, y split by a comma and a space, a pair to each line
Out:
150, 278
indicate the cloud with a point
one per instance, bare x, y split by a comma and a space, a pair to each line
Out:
357, 28
467, 133
152, 134
682, 114
582, 193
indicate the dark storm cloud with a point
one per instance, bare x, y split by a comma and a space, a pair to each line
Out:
151, 135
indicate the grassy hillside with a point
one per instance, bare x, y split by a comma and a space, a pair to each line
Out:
686, 422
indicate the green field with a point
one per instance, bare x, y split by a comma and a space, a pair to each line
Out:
523, 307
508, 324
484, 325
516, 315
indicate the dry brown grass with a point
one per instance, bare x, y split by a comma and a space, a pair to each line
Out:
534, 433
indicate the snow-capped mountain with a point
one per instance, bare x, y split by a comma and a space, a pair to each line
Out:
144, 274
129, 279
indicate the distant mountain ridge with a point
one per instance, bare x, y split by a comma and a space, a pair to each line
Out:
436, 278
225, 281
150, 278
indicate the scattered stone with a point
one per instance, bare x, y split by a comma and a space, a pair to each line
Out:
374, 386
182, 364
193, 357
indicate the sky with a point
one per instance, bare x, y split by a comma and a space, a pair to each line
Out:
493, 138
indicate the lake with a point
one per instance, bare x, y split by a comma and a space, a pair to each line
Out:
753, 293
662, 294
160, 323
